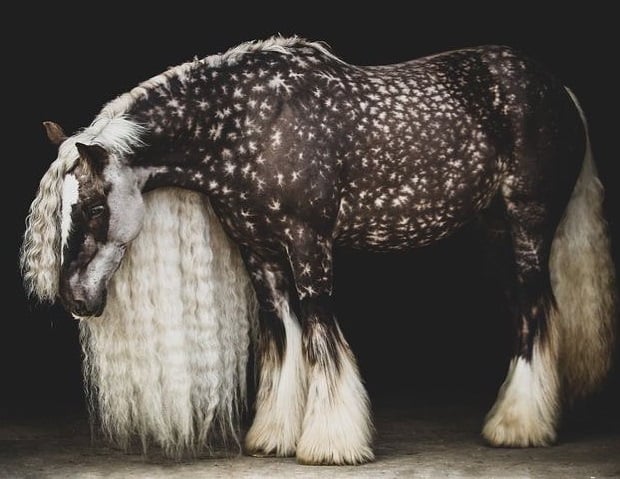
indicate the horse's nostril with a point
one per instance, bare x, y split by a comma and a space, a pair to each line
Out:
79, 306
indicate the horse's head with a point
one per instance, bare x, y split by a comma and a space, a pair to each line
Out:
102, 211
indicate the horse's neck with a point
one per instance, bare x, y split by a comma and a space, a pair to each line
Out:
186, 120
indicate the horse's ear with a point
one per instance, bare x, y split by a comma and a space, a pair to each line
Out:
54, 132
94, 156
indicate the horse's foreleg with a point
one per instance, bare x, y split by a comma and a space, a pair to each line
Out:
337, 427
281, 394
527, 407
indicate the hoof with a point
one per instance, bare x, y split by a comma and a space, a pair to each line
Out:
511, 432
264, 453
322, 455
268, 445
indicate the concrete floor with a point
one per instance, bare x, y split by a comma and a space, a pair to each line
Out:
437, 440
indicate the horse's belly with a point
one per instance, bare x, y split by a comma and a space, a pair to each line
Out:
395, 234
396, 223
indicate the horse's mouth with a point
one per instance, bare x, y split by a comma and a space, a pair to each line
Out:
95, 314
81, 315
81, 310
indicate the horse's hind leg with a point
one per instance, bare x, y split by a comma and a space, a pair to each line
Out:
527, 407
337, 427
281, 391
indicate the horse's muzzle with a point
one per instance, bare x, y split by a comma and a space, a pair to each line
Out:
80, 307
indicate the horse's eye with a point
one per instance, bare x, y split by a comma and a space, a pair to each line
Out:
96, 210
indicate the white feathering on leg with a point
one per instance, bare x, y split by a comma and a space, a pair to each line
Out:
527, 407
337, 427
281, 397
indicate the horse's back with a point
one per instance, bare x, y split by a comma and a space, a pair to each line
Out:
435, 138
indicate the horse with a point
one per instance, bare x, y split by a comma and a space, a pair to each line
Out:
278, 151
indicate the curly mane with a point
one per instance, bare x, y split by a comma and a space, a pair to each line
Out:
167, 359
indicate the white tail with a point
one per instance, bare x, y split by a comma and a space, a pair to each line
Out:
583, 281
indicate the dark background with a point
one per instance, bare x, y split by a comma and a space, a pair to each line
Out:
430, 322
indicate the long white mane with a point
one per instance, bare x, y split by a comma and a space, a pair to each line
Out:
166, 362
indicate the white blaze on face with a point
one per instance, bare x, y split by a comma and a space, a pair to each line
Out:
70, 196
